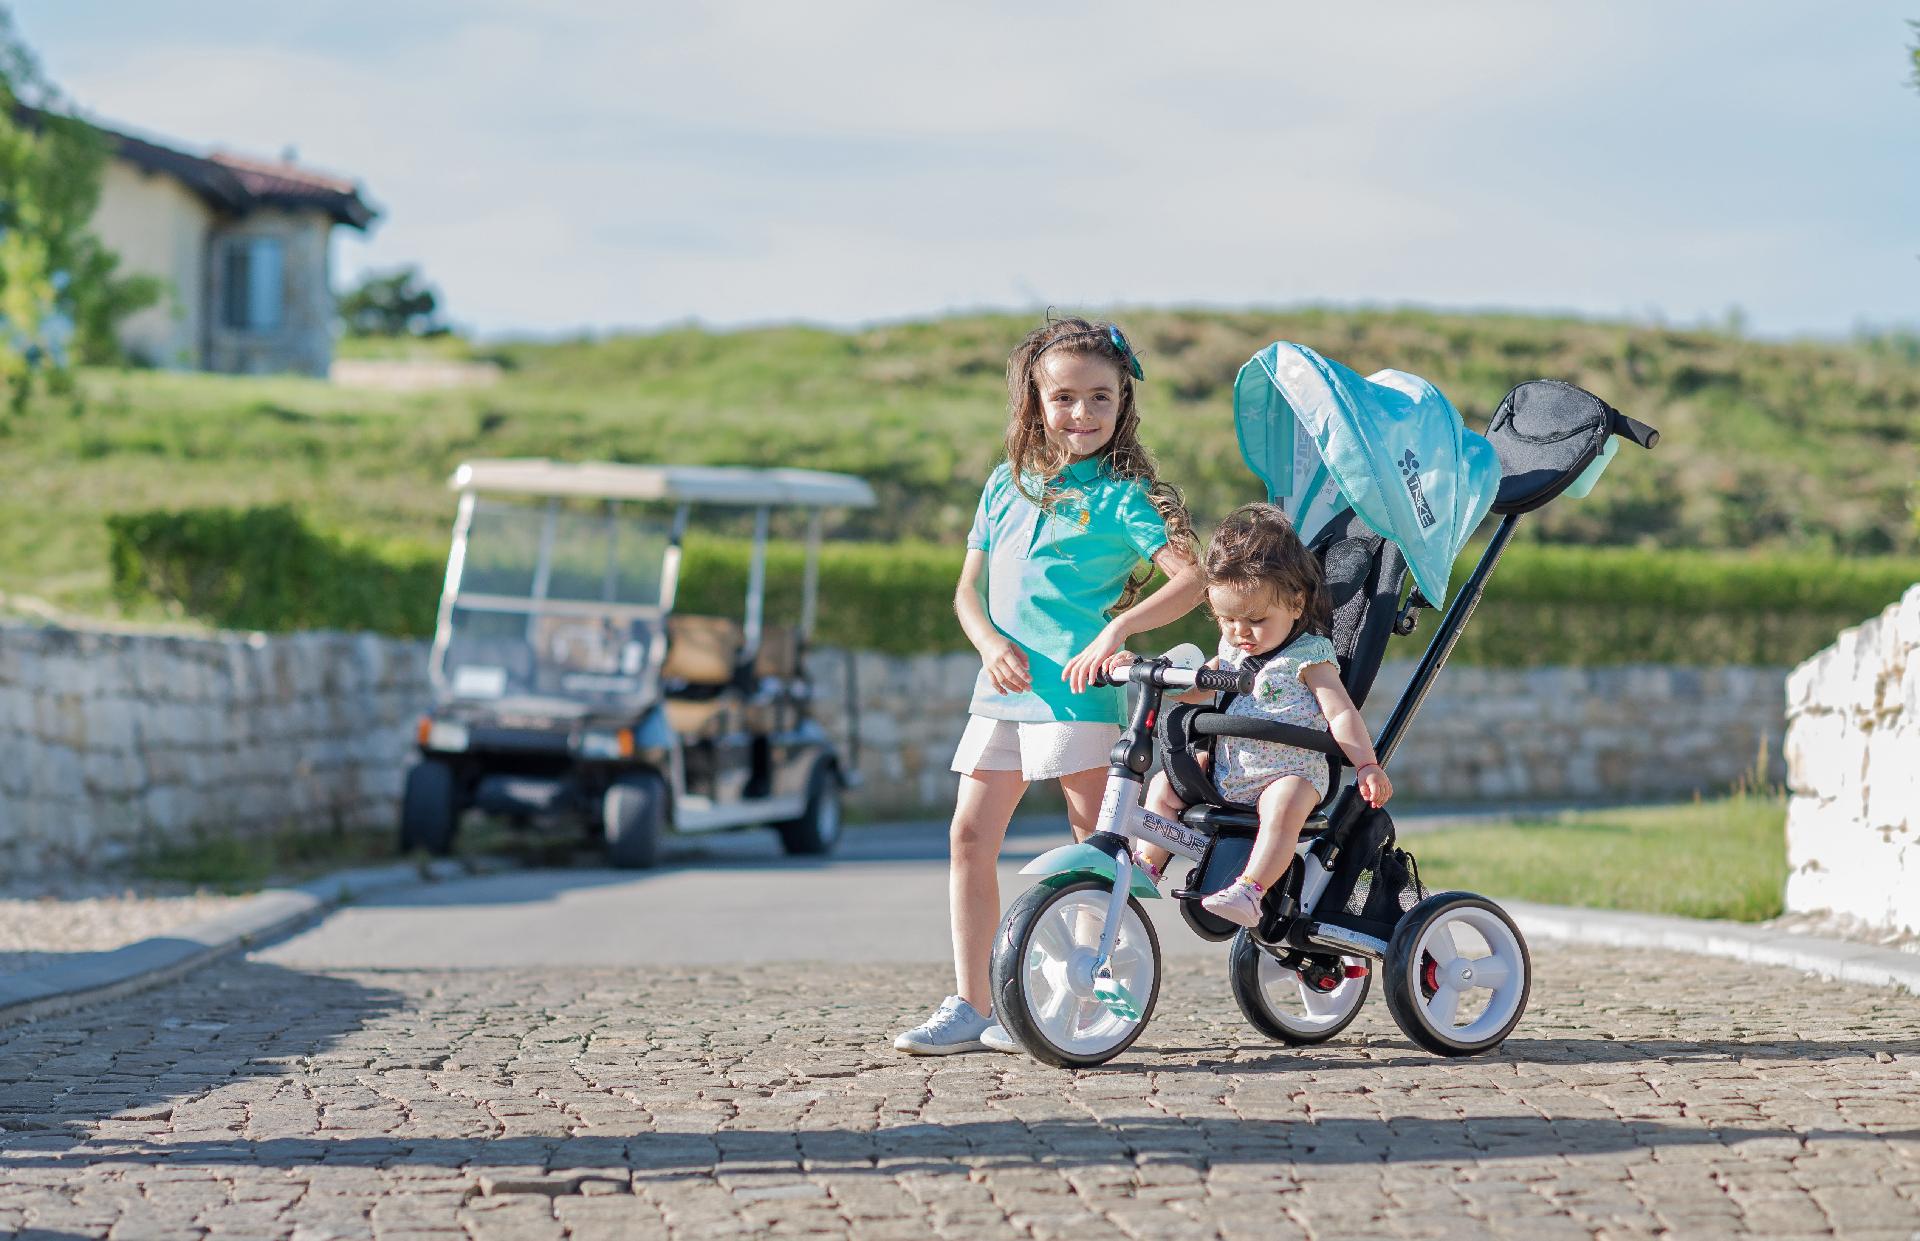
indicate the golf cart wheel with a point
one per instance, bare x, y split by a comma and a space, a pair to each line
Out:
1300, 1006
1457, 974
817, 830
1043, 977
428, 813
632, 814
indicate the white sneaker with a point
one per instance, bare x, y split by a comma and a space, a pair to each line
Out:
1238, 903
955, 1026
996, 1038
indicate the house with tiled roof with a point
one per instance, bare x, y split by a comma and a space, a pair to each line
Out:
244, 246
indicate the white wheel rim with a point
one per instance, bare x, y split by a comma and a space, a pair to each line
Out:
1474, 953
829, 818
1298, 1007
1061, 950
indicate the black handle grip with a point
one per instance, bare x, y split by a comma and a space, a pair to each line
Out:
1226, 679
1635, 430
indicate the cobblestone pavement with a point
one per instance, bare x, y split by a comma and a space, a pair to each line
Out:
1644, 1095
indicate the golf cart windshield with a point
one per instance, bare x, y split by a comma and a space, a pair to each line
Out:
554, 599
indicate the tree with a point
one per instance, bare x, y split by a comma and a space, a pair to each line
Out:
392, 303
60, 299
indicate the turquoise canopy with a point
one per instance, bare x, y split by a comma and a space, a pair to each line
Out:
1322, 438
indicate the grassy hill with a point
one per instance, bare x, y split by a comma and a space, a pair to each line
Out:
1802, 447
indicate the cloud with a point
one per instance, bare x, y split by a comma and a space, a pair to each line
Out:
585, 163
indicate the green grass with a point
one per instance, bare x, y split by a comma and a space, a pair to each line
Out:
243, 864
1769, 447
1725, 858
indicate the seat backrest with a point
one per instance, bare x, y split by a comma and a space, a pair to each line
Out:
702, 650
779, 654
1364, 574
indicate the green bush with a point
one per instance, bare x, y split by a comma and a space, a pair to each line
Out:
266, 568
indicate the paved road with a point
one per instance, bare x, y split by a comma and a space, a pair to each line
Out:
296, 1096
730, 898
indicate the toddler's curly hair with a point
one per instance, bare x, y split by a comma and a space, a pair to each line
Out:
1257, 548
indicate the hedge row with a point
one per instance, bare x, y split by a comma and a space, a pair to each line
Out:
267, 569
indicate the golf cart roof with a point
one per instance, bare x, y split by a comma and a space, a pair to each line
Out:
693, 484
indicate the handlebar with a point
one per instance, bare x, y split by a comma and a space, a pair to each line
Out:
1635, 430
1166, 676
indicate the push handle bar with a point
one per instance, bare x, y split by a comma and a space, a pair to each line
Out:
1635, 430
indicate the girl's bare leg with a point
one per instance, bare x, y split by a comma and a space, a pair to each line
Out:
1161, 801
980, 817
1083, 791
1284, 806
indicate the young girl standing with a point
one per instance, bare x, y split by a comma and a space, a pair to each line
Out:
1068, 530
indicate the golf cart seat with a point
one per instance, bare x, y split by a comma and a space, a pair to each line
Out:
702, 654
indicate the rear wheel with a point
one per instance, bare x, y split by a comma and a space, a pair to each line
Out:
817, 830
1045, 991
1457, 974
633, 813
1304, 1003
429, 815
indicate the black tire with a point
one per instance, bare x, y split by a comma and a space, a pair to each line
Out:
1246, 963
817, 831
1011, 1001
633, 814
429, 811
1410, 976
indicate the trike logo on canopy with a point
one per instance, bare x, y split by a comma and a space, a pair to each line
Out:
1410, 475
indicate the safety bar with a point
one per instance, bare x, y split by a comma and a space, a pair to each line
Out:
1221, 724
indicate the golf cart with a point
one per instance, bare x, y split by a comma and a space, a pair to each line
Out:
567, 688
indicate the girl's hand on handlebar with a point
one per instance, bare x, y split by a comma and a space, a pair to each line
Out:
1080, 670
1006, 666
1374, 785
1114, 667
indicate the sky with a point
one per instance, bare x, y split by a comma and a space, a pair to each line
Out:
577, 164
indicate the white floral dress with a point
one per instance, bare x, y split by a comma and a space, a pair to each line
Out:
1242, 768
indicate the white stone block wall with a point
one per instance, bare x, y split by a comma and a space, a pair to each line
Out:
1630, 733
1853, 768
118, 742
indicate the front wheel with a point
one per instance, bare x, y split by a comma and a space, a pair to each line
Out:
817, 830
429, 811
1302, 1004
1457, 974
632, 813
1045, 990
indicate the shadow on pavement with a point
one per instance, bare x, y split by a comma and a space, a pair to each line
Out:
965, 1147
138, 1056
1530, 1051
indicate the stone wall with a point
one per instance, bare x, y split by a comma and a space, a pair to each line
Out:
117, 742
1629, 733
1853, 767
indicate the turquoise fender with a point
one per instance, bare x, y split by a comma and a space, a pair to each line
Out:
1070, 862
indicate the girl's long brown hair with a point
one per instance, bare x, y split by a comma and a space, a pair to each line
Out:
1124, 456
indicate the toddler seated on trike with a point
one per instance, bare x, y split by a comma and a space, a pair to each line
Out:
1266, 591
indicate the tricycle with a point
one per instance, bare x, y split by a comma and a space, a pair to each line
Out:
1384, 484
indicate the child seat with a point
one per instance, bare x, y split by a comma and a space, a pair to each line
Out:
1364, 574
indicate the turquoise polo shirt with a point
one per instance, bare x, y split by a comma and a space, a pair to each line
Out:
1051, 578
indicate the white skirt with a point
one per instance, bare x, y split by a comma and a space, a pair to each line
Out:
1044, 750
